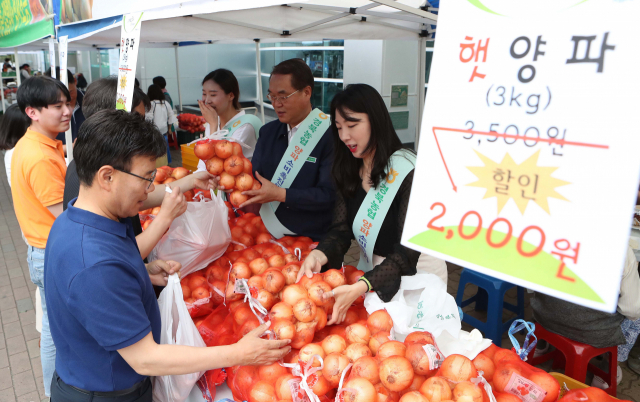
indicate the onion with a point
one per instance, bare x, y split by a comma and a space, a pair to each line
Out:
317, 291
204, 150
419, 359
413, 396
396, 373
458, 368
290, 273
276, 261
215, 166
334, 278
242, 315
436, 389
491, 351
257, 186
482, 362
262, 392
237, 198
354, 276
266, 299
334, 365
245, 377
284, 329
179, 172
416, 384
384, 395
253, 231
186, 291
358, 333
271, 372
307, 351
288, 258
161, 175
356, 351
234, 166
334, 344
391, 348
321, 334
380, 321
467, 391
236, 232
224, 149
505, 356
256, 282
240, 270
292, 356
339, 330
244, 182
227, 181
504, 397
292, 293
303, 335
247, 240
258, 266
423, 338
377, 340
274, 281
548, 383
281, 311
304, 310
351, 318
248, 168
358, 390
283, 390
216, 297
318, 384
320, 319
366, 367
307, 282
249, 326
263, 238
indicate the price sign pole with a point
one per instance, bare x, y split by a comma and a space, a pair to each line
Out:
129, 45
528, 164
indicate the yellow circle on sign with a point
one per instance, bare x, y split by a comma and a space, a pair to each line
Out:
323, 116
236, 123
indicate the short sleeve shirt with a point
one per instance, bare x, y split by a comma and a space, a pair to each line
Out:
38, 170
99, 298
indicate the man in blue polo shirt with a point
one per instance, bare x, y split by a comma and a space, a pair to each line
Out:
293, 158
104, 316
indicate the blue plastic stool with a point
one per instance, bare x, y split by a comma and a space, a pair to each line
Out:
490, 296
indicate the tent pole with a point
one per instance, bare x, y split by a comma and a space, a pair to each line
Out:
422, 66
18, 72
258, 69
178, 76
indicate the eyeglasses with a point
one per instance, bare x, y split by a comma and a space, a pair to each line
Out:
282, 99
151, 180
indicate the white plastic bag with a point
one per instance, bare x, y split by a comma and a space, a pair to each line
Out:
177, 329
468, 344
197, 237
421, 304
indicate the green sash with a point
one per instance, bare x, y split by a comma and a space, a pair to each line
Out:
374, 208
303, 142
233, 124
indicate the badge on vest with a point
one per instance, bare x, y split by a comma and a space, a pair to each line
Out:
311, 159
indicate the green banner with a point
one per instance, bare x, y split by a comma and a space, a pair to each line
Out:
23, 21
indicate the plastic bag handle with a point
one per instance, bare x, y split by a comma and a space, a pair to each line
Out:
517, 326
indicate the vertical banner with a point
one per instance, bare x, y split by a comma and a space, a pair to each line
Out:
129, 45
528, 164
52, 56
63, 42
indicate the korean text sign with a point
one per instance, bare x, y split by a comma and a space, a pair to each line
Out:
129, 45
528, 160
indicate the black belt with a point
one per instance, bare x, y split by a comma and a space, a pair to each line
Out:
113, 394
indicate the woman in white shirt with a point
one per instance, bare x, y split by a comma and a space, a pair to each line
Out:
220, 107
14, 125
160, 113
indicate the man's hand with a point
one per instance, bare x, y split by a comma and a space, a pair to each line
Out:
255, 351
204, 180
268, 193
312, 264
210, 115
159, 271
173, 205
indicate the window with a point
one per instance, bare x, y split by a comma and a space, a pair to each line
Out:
325, 58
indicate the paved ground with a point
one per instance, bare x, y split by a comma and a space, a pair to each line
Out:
20, 369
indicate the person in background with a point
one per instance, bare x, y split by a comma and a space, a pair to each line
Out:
297, 193
220, 107
25, 71
13, 127
77, 117
81, 82
105, 316
7, 65
100, 96
596, 328
370, 165
162, 83
161, 114
38, 170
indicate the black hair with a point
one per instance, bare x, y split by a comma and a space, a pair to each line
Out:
7, 59
114, 137
101, 94
39, 92
136, 83
155, 93
228, 82
81, 81
362, 98
301, 75
70, 78
160, 81
14, 125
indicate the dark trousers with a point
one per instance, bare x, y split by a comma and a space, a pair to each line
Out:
61, 392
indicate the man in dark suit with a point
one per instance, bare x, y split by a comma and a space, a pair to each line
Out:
304, 206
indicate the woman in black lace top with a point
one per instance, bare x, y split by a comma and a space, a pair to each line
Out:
364, 143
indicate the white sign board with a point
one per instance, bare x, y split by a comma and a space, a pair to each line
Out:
52, 57
528, 162
129, 45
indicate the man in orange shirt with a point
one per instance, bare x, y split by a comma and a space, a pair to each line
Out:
38, 171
